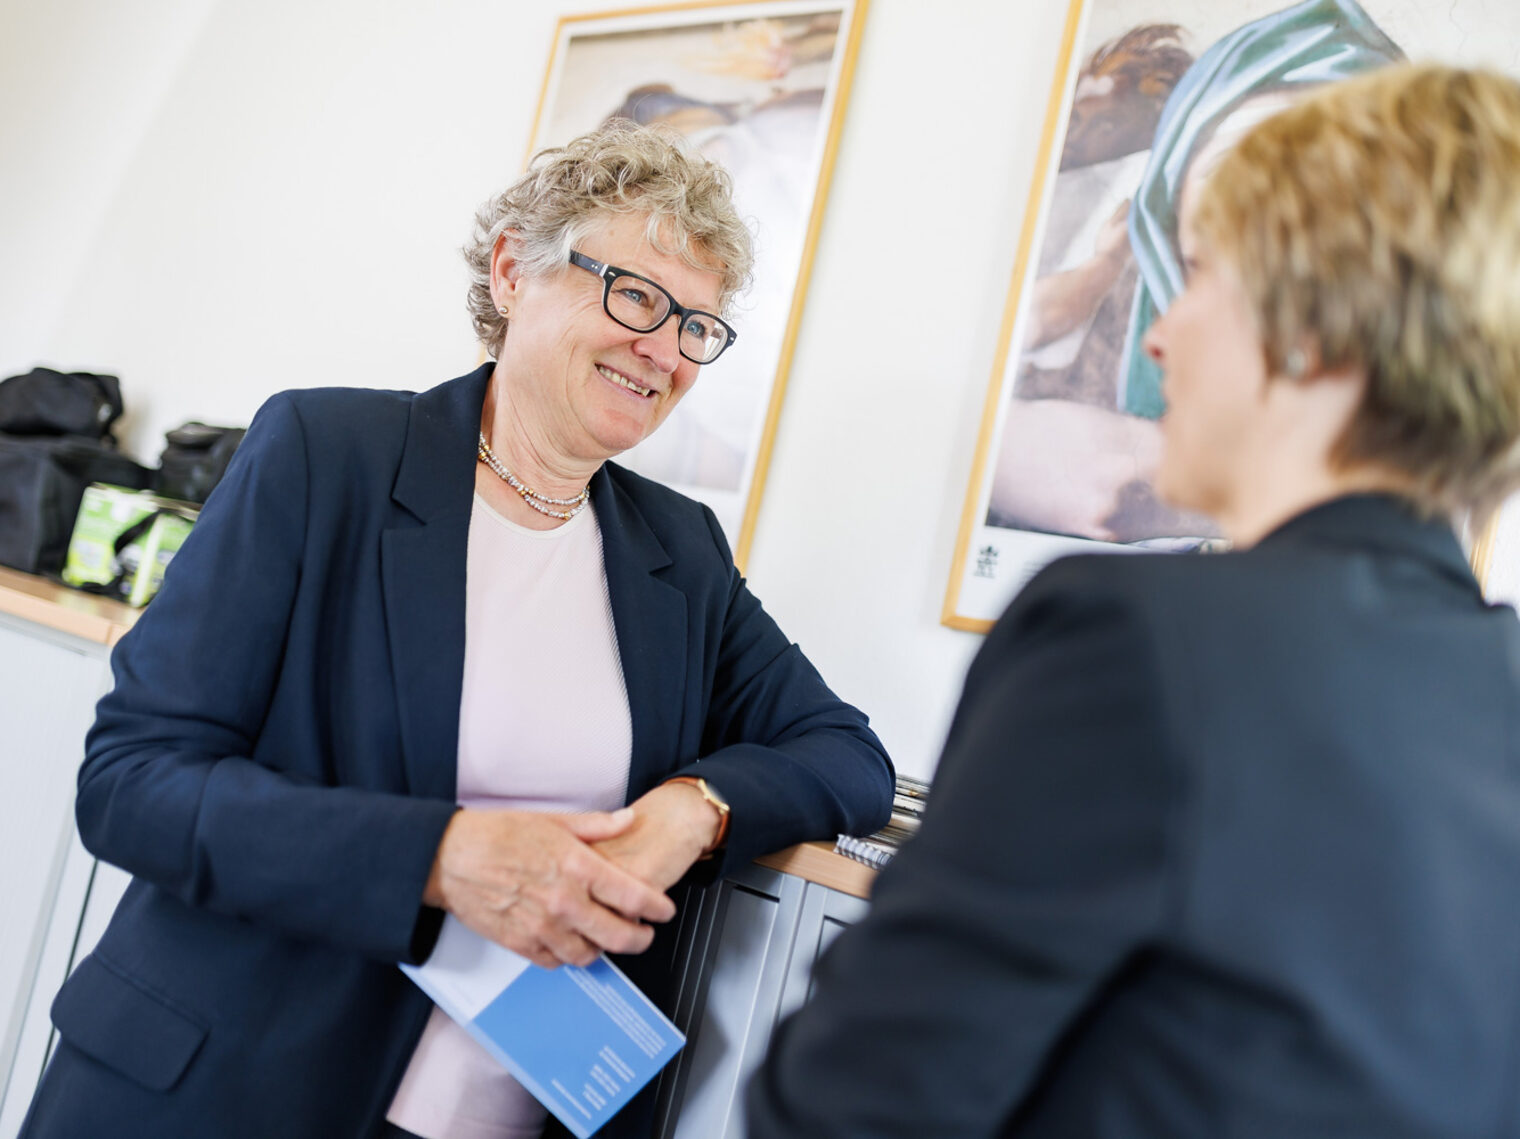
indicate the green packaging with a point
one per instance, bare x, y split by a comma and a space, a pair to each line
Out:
134, 573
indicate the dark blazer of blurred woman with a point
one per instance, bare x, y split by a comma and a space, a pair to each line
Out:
1228, 844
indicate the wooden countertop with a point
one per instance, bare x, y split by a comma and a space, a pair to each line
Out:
817, 862
54, 606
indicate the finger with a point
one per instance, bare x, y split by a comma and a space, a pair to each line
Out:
539, 954
612, 932
567, 946
619, 890
598, 826
531, 931
566, 919
508, 931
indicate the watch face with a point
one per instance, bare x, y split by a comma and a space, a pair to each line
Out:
714, 796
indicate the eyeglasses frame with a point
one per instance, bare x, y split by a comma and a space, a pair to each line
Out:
609, 273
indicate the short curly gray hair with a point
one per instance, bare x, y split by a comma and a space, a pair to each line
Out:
619, 168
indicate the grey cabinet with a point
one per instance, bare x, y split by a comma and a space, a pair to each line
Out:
49, 683
746, 957
86, 897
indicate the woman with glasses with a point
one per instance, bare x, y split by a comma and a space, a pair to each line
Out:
431, 654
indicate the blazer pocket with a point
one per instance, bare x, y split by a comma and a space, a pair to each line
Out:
113, 1019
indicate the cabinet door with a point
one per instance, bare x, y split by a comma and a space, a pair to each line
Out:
48, 688
740, 964
85, 899
747, 955
825, 915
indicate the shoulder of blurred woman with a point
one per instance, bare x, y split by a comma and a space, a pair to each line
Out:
1152, 598
1096, 578
1148, 579
1075, 592
1206, 607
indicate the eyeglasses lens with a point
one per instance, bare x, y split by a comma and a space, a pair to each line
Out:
635, 303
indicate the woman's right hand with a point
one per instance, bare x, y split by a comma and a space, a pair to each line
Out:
530, 881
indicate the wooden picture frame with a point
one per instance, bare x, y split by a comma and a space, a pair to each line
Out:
1069, 439
761, 87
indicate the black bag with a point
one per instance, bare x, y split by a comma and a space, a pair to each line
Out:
42, 480
195, 460
45, 402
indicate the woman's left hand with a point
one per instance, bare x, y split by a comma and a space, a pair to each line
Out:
673, 826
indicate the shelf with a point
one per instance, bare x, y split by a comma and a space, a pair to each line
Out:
36, 599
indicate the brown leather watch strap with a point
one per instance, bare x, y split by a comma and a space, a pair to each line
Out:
719, 803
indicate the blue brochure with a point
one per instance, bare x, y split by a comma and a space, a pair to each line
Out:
583, 1041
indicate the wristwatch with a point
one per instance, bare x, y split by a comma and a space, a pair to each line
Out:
720, 804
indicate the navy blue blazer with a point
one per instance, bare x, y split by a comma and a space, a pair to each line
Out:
1219, 846
276, 765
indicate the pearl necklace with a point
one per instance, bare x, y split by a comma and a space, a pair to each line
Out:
539, 502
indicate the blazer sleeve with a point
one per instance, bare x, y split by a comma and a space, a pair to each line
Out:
1041, 867
169, 790
794, 762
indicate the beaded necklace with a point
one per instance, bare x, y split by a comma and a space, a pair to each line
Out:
539, 502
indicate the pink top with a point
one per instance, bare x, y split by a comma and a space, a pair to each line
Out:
543, 726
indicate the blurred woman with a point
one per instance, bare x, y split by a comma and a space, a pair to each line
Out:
1227, 844
396, 604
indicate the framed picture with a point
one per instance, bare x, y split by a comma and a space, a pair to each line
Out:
1145, 92
761, 88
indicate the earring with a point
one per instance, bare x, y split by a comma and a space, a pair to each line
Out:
1296, 363
504, 313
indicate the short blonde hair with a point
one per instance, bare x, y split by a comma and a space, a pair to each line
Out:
1377, 222
619, 168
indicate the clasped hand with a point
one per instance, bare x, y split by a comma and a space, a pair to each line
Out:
561, 888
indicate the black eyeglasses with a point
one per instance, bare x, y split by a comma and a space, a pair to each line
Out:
638, 303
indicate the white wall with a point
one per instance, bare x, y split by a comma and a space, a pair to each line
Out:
240, 197
217, 199
80, 83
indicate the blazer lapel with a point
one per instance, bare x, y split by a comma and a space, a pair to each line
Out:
650, 618
422, 569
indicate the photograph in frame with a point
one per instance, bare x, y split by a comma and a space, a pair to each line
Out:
1148, 95
762, 89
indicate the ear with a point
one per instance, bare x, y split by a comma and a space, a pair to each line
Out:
1305, 362
1302, 361
1317, 392
506, 272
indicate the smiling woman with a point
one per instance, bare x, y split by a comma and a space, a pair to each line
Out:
472, 668
586, 368
574, 385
